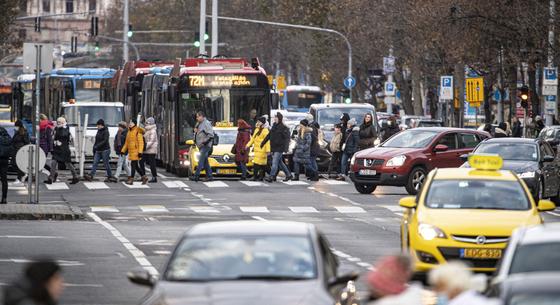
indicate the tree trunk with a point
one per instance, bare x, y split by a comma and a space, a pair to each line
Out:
417, 92
406, 91
535, 101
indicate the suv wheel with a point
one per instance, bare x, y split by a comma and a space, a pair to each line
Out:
415, 180
364, 188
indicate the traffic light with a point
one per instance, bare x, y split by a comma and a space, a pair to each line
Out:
206, 36
97, 48
94, 26
130, 33
197, 39
524, 95
346, 96
37, 24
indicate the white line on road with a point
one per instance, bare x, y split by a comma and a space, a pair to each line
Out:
65, 263
552, 213
162, 175
258, 218
304, 210
136, 185
254, 209
334, 182
291, 182
106, 209
31, 237
393, 208
348, 210
83, 285
135, 252
175, 184
153, 208
96, 185
204, 209
253, 183
215, 184
57, 186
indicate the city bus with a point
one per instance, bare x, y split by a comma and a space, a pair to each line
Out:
88, 84
225, 89
299, 98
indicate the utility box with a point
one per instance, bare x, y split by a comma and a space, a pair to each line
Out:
30, 57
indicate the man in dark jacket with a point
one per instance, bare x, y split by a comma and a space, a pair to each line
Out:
315, 148
20, 139
5, 153
516, 128
389, 129
343, 124
279, 137
61, 152
350, 146
118, 144
101, 150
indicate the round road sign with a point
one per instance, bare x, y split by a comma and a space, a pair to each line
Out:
22, 158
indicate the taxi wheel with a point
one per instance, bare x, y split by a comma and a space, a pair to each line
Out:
415, 180
365, 188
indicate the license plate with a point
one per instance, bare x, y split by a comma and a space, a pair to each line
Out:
481, 253
227, 171
368, 172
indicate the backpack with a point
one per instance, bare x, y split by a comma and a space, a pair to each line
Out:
215, 139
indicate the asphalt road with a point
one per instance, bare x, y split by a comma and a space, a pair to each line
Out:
135, 226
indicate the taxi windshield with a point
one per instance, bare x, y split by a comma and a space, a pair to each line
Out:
233, 257
477, 194
227, 136
510, 151
411, 139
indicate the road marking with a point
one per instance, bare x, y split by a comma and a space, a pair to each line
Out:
157, 242
17, 188
57, 186
83, 285
393, 208
348, 210
96, 185
204, 209
259, 218
104, 208
162, 175
304, 210
334, 182
341, 254
138, 255
253, 183
25, 261
136, 185
175, 184
552, 213
291, 182
362, 264
254, 209
153, 208
162, 252
215, 184
31, 237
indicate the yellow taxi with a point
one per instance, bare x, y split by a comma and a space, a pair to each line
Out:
467, 214
222, 161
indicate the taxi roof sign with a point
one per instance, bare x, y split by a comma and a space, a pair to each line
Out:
486, 161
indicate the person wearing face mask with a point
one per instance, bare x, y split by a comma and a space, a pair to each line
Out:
61, 152
41, 284
101, 150
454, 283
390, 129
134, 146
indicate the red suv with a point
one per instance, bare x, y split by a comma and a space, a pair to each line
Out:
406, 158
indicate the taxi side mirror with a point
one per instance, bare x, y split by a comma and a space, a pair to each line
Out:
408, 202
441, 147
141, 276
545, 205
189, 142
548, 158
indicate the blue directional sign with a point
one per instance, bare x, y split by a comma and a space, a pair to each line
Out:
390, 89
497, 95
349, 82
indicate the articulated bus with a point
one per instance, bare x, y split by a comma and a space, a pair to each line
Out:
225, 89
88, 84
299, 98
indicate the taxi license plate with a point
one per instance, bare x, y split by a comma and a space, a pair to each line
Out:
479, 253
227, 171
368, 172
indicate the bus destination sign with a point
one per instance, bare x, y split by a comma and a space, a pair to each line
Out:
222, 81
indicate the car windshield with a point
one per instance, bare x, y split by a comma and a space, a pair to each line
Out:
536, 257
411, 139
510, 151
430, 124
226, 136
535, 299
233, 257
332, 115
5, 116
112, 115
477, 194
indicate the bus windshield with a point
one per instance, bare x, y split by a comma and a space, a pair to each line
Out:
303, 99
88, 90
112, 115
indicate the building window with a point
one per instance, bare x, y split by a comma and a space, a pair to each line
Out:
47, 6
92, 5
69, 6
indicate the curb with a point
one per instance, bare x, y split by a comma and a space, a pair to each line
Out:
40, 212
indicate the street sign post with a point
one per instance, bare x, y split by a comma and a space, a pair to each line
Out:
349, 82
475, 91
388, 65
550, 76
550, 104
390, 89
446, 85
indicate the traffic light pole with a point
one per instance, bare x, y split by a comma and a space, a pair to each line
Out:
214, 50
202, 28
125, 33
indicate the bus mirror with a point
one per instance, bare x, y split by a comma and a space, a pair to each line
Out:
189, 142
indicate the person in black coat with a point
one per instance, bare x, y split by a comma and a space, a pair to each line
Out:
20, 139
516, 128
61, 152
279, 137
344, 118
391, 128
350, 147
5, 153
101, 150
368, 133
118, 144
41, 284
315, 148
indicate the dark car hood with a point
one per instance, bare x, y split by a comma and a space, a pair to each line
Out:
516, 166
243, 293
385, 152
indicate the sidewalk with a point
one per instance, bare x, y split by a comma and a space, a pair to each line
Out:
23, 211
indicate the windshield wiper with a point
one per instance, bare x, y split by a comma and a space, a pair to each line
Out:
271, 277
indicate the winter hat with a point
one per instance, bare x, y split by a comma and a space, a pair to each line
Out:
389, 276
279, 116
100, 122
150, 121
309, 117
345, 117
242, 124
262, 119
134, 121
40, 272
352, 122
304, 122
18, 123
122, 124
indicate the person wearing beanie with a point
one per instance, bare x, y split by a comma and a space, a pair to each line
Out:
239, 148
302, 152
42, 284
260, 149
101, 150
349, 147
20, 139
152, 143
134, 146
388, 282
118, 144
344, 118
61, 152
279, 138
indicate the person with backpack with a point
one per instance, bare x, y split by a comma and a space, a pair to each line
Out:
61, 152
204, 140
20, 139
5, 153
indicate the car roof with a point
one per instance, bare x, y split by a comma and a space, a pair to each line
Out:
473, 174
91, 103
512, 140
444, 129
532, 282
546, 233
353, 105
251, 227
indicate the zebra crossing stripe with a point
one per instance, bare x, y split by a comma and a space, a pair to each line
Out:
96, 185
204, 209
334, 182
104, 208
393, 208
136, 185
153, 208
57, 186
215, 184
349, 210
175, 184
304, 210
253, 183
254, 209
295, 182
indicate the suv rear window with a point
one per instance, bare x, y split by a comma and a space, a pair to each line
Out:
536, 257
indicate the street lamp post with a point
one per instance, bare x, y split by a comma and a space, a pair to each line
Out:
125, 31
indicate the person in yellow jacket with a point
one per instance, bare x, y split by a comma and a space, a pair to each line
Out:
260, 149
134, 146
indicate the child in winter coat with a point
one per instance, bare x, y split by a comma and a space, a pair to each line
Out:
302, 153
261, 151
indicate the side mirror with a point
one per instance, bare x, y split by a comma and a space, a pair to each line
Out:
548, 158
141, 276
464, 157
545, 205
441, 147
189, 142
343, 279
408, 202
